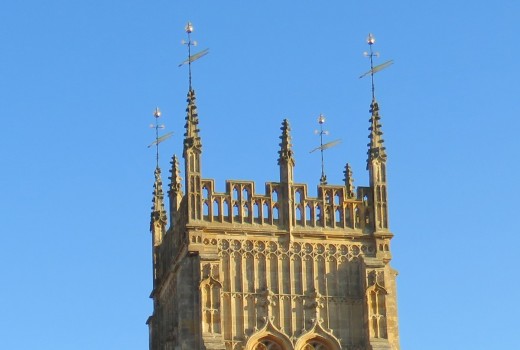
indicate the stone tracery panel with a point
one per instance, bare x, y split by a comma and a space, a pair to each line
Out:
270, 279
331, 209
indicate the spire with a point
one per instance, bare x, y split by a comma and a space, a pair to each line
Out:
285, 153
376, 161
192, 162
349, 181
376, 148
158, 219
175, 191
286, 163
175, 178
191, 135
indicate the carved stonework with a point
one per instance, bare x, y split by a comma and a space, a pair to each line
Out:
277, 269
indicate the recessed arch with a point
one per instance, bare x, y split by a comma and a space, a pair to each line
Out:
269, 335
317, 338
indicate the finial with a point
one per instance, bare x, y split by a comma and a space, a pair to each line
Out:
376, 147
191, 134
349, 181
189, 29
158, 219
323, 147
157, 114
370, 39
285, 152
371, 54
175, 178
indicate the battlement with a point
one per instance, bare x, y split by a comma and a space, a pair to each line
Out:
240, 204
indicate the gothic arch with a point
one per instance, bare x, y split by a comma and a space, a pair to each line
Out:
267, 343
317, 335
376, 297
268, 335
210, 302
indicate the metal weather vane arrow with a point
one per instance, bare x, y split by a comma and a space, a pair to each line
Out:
158, 139
191, 58
323, 147
371, 54
194, 57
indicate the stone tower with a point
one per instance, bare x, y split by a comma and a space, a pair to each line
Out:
277, 270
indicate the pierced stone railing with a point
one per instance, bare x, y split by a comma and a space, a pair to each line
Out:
331, 209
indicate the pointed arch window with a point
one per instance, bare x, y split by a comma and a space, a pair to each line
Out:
266, 212
267, 344
245, 194
348, 216
308, 215
338, 218
235, 212
216, 210
275, 213
275, 196
298, 196
256, 211
315, 345
245, 210
318, 215
205, 210
299, 217
225, 210
336, 198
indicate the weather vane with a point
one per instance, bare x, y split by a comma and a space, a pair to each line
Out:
189, 44
323, 147
158, 140
371, 54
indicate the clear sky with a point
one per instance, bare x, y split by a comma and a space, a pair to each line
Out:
78, 84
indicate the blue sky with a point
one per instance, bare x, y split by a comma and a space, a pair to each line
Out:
80, 80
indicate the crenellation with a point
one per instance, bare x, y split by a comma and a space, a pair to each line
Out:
332, 209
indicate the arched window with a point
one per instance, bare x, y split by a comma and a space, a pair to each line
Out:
226, 210
348, 216
338, 217
308, 214
205, 210
275, 196
336, 198
317, 214
215, 208
256, 210
245, 210
299, 215
315, 344
266, 211
267, 344
298, 197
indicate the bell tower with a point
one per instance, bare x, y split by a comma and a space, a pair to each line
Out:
278, 269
